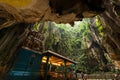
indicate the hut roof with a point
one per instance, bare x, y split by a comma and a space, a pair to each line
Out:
58, 55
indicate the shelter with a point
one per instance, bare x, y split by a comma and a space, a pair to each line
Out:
65, 67
33, 65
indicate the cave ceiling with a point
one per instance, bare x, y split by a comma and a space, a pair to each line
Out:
60, 11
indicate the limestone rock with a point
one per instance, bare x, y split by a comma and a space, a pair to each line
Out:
60, 11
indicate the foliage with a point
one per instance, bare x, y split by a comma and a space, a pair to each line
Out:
36, 26
70, 42
99, 26
73, 42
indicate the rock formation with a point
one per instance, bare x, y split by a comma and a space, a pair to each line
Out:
64, 11
111, 21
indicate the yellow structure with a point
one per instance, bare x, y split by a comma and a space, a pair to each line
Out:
17, 3
57, 66
55, 61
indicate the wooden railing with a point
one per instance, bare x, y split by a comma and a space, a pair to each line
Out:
98, 76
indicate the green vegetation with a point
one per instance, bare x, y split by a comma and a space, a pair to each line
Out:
99, 26
80, 43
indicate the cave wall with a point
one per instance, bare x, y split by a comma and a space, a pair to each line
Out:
111, 21
10, 41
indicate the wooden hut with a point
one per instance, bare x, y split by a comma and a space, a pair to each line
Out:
33, 65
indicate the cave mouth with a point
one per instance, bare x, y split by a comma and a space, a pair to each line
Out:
81, 42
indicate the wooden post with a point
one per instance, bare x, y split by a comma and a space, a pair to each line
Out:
65, 69
46, 67
75, 71
41, 60
40, 64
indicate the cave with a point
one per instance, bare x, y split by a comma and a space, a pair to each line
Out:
36, 25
